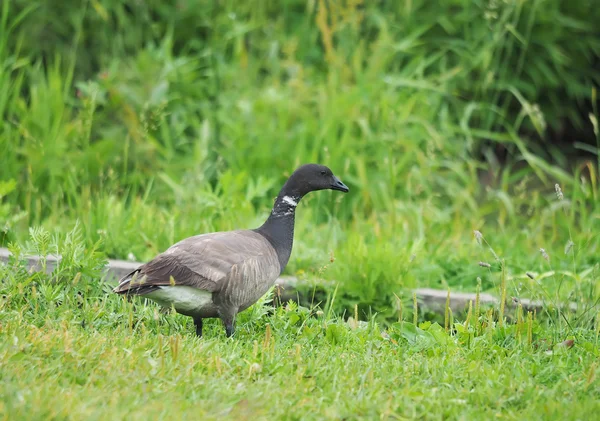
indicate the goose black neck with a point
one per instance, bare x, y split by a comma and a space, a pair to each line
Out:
278, 229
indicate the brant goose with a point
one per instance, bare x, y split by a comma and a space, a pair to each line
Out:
222, 273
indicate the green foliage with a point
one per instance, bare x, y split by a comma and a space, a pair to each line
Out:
62, 334
149, 122
76, 274
126, 126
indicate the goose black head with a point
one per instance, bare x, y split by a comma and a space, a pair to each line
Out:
312, 177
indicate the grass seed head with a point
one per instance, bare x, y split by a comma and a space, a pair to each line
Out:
478, 236
255, 368
544, 254
569, 246
559, 193
485, 265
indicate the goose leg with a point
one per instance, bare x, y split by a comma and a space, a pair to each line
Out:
229, 329
198, 324
228, 318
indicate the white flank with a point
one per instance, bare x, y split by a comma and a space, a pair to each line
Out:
181, 297
290, 201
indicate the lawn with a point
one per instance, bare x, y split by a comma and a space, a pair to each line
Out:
71, 351
467, 134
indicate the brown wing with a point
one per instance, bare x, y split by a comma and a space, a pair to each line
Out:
202, 261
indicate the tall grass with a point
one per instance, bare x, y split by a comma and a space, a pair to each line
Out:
149, 122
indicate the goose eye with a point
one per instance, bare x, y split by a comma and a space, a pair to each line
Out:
323, 172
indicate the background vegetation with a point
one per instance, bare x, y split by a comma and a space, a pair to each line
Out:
141, 123
149, 122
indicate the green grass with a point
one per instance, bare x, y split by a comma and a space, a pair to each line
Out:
61, 371
143, 123
70, 350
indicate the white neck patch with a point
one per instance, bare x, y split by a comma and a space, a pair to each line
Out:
290, 201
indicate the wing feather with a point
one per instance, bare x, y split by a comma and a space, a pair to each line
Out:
203, 261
